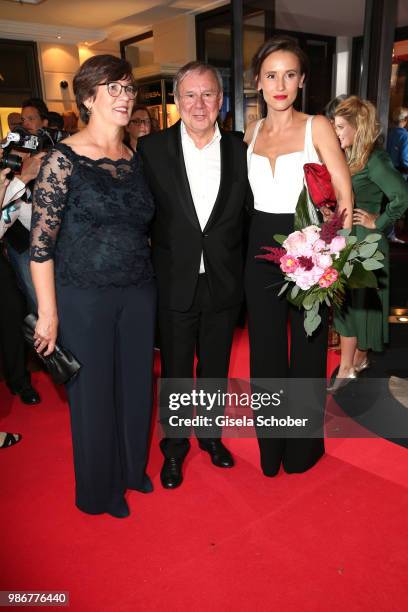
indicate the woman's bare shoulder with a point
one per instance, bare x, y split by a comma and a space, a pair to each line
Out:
321, 124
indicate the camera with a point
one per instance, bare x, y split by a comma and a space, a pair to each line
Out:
14, 162
21, 140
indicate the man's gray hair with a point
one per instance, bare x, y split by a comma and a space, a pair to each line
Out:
195, 66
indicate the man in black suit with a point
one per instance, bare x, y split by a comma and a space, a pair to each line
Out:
198, 176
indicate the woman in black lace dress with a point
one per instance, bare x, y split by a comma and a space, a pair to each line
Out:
91, 215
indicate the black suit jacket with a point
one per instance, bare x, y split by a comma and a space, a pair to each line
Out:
177, 239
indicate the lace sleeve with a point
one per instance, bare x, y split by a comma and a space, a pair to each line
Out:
49, 198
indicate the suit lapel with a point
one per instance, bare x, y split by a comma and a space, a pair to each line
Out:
226, 155
182, 186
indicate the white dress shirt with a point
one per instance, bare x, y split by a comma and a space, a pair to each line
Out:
203, 168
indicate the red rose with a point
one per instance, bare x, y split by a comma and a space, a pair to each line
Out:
320, 188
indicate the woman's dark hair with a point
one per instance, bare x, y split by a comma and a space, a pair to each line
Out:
96, 70
279, 43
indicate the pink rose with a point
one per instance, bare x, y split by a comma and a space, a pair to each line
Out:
337, 244
329, 277
306, 278
322, 260
312, 233
288, 263
319, 246
295, 244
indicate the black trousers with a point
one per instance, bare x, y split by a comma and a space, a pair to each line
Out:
268, 317
200, 331
111, 332
12, 312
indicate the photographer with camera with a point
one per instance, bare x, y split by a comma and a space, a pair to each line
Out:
23, 152
12, 311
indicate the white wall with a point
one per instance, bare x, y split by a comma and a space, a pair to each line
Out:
343, 65
174, 40
60, 63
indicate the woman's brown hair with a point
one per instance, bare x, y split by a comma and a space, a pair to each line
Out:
95, 70
279, 43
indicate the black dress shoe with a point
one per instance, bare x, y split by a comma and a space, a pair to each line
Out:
171, 475
146, 486
220, 455
28, 395
119, 508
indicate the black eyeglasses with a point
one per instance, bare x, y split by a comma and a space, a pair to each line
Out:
115, 89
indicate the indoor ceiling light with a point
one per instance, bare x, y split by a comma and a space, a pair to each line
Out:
27, 1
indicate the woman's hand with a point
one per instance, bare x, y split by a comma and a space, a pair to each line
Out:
327, 213
45, 334
364, 218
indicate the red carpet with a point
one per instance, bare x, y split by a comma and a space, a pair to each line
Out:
227, 540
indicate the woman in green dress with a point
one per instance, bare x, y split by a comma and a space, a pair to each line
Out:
381, 197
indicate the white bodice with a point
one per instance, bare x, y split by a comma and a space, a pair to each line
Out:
279, 192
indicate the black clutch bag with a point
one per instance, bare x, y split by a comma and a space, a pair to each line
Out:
61, 364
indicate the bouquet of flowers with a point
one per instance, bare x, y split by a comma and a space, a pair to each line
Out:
319, 263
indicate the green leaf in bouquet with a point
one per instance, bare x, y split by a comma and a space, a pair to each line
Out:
302, 215
361, 277
294, 292
298, 300
344, 232
311, 322
378, 255
351, 240
283, 289
372, 264
367, 250
309, 301
327, 300
348, 268
314, 311
280, 238
372, 238
341, 260
352, 255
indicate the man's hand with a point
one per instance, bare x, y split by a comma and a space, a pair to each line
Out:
31, 167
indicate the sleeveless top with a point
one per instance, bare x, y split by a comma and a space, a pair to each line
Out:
279, 192
92, 217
